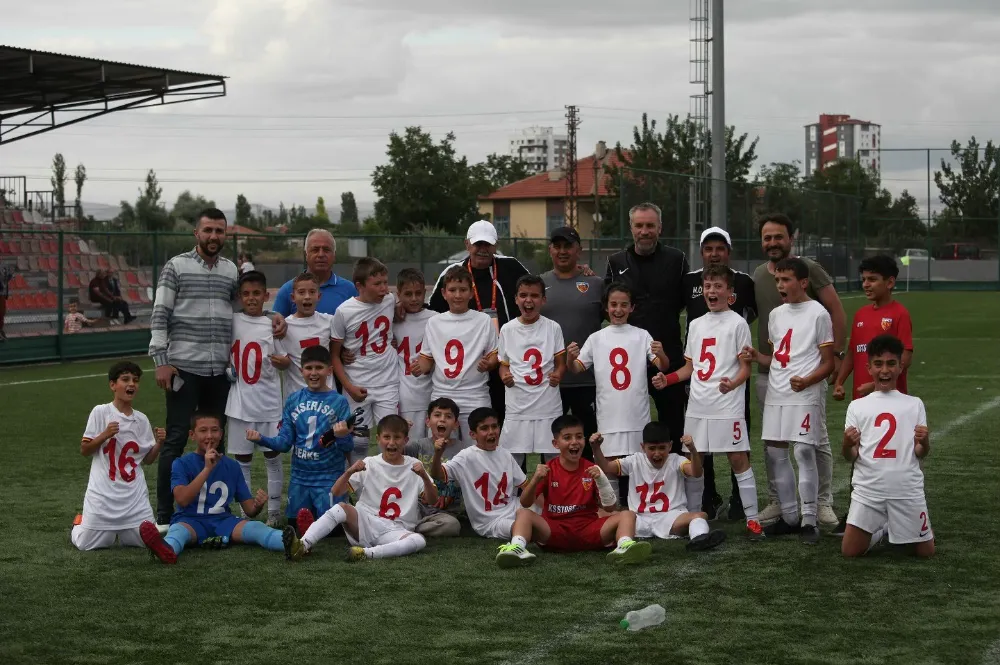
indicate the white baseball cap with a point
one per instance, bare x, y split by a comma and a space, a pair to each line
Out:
482, 231
715, 231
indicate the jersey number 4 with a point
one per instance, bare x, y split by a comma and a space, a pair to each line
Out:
783, 354
125, 464
500, 498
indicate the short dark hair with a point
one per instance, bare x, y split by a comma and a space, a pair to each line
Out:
124, 367
530, 280
74, 301
409, 276
456, 274
394, 424
880, 264
565, 421
776, 218
204, 415
719, 272
794, 265
444, 403
253, 277
481, 415
315, 354
616, 287
305, 277
213, 214
885, 344
656, 433
368, 266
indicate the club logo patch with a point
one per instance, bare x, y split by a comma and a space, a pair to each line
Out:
886, 323
732, 299
587, 483
582, 287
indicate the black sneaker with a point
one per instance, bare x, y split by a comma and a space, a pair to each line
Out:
809, 534
736, 513
715, 509
781, 528
840, 528
706, 541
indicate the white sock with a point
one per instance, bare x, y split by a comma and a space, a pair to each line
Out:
694, 489
805, 456
877, 538
402, 547
772, 487
624, 539
824, 468
748, 493
275, 481
518, 540
245, 468
698, 527
784, 481
324, 526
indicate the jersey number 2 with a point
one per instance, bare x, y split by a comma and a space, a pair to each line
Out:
882, 451
125, 464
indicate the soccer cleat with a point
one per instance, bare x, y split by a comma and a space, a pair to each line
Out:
841, 527
755, 532
715, 508
274, 519
770, 514
781, 528
355, 554
214, 543
827, 517
510, 555
630, 552
303, 520
736, 513
706, 541
154, 542
294, 549
78, 520
809, 534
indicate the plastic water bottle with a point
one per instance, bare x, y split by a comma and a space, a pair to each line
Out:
647, 617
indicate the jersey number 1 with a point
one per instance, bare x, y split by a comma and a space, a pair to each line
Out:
500, 498
125, 464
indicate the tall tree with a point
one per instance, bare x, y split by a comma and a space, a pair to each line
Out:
188, 206
349, 212
321, 215
58, 181
79, 178
971, 192
150, 214
499, 171
244, 212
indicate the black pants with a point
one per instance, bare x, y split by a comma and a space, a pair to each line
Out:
199, 393
671, 402
581, 401
112, 309
497, 395
708, 464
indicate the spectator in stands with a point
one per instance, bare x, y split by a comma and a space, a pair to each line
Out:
6, 274
245, 262
120, 304
100, 296
321, 253
75, 319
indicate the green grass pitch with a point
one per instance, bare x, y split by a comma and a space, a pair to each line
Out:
770, 602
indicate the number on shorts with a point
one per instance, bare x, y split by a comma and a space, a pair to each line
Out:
737, 432
389, 509
241, 362
783, 354
620, 368
655, 497
125, 464
882, 451
534, 356
381, 327
708, 356
454, 357
220, 505
806, 424
404, 348
923, 519
500, 498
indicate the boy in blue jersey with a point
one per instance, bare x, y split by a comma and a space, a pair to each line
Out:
314, 427
203, 484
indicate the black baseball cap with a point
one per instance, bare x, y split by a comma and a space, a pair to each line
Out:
565, 233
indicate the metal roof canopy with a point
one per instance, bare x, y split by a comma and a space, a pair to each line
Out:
41, 91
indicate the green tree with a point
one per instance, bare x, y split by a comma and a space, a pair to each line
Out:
499, 171
79, 178
188, 206
58, 181
349, 212
244, 212
321, 215
150, 213
970, 193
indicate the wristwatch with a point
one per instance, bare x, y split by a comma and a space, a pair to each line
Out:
839, 355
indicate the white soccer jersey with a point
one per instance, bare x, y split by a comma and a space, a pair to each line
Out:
256, 395
887, 466
304, 332
619, 355
366, 330
714, 343
390, 491
530, 351
457, 342
797, 331
489, 482
408, 338
652, 490
117, 496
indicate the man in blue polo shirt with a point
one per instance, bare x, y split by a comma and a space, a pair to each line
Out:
321, 252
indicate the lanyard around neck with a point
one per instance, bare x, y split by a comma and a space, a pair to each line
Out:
475, 291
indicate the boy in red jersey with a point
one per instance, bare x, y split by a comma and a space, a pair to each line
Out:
573, 489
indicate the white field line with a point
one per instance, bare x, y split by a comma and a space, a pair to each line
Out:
59, 378
992, 654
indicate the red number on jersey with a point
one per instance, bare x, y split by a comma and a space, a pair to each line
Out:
454, 357
655, 497
881, 450
500, 498
805, 425
620, 368
242, 362
783, 354
404, 348
125, 464
389, 509
534, 356
306, 343
737, 432
706, 355
381, 326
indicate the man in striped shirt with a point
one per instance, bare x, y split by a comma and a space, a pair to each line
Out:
191, 328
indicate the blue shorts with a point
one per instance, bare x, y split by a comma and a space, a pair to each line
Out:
208, 527
317, 500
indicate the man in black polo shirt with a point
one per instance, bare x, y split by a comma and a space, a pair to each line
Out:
715, 249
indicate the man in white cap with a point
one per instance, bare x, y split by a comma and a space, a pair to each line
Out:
494, 279
716, 247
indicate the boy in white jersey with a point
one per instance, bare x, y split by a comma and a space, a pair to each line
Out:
489, 476
886, 437
118, 439
716, 408
363, 326
801, 336
461, 348
388, 488
408, 339
532, 357
656, 485
306, 327
255, 401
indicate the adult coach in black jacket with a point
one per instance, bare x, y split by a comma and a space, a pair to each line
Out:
494, 279
655, 273
715, 249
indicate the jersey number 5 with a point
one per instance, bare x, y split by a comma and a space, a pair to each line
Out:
707, 356
125, 464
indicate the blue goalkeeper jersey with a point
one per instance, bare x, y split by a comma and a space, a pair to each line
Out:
224, 485
306, 418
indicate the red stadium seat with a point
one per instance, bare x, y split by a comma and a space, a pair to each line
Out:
74, 264
19, 283
133, 295
17, 217
102, 263
3, 248
74, 280
15, 302
22, 263
122, 265
70, 247
144, 279
36, 246
50, 300
131, 279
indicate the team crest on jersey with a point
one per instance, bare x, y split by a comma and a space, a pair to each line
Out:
732, 299
555, 483
587, 483
886, 323
582, 287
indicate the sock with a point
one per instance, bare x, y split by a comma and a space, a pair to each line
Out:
772, 486
877, 538
360, 448
275, 481
245, 468
518, 540
402, 547
698, 527
177, 537
784, 481
824, 468
623, 540
258, 533
694, 488
805, 456
748, 493
324, 526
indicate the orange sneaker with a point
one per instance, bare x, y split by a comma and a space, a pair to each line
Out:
755, 531
78, 520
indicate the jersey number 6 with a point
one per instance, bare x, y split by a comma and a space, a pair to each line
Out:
388, 508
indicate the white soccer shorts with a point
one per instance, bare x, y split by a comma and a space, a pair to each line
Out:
527, 436
792, 423
657, 525
619, 444
907, 518
236, 436
381, 401
718, 436
374, 530
95, 539
499, 529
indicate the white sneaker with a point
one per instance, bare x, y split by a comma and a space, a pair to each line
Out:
513, 556
827, 517
274, 519
770, 514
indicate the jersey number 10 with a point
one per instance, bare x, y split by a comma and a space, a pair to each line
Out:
241, 363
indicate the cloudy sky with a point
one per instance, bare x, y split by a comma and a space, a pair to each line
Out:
316, 85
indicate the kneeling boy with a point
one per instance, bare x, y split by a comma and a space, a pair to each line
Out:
571, 486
